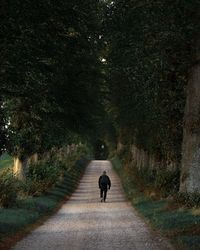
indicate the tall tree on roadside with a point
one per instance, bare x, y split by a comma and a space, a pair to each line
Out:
190, 174
2, 129
51, 72
149, 54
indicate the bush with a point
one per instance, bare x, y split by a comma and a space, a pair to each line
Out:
167, 181
8, 188
44, 170
188, 199
41, 177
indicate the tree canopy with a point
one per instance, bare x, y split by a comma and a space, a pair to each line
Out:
149, 55
50, 71
96, 70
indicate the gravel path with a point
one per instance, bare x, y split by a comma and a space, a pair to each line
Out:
85, 223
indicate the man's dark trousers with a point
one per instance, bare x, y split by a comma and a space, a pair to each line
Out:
103, 193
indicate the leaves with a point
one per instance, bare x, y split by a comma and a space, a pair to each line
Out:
149, 53
51, 73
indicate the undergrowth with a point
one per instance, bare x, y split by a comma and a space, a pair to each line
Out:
173, 219
28, 207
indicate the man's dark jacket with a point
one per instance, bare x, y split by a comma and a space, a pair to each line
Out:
104, 182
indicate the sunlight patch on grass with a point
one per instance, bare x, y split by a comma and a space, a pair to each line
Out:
195, 211
6, 161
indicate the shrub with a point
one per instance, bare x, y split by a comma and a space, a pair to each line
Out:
167, 181
8, 188
42, 171
33, 187
45, 174
188, 199
41, 177
146, 174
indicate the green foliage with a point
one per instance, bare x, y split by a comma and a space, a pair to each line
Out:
28, 210
45, 174
73, 158
192, 242
41, 177
2, 128
49, 172
149, 52
166, 181
162, 180
8, 188
11, 219
42, 171
5, 161
188, 199
180, 224
53, 55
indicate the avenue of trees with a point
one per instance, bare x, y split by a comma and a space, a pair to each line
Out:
50, 74
123, 71
153, 63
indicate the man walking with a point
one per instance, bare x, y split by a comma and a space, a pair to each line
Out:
104, 185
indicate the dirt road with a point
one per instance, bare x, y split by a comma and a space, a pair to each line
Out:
85, 223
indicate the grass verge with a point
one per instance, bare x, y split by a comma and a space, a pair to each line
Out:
28, 213
5, 161
181, 225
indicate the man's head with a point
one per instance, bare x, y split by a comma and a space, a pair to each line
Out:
104, 172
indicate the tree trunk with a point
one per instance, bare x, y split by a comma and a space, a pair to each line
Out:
33, 159
20, 167
120, 147
190, 165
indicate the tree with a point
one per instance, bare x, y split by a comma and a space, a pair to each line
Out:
190, 175
50, 65
148, 55
2, 129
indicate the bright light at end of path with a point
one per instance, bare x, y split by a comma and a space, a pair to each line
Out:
103, 60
